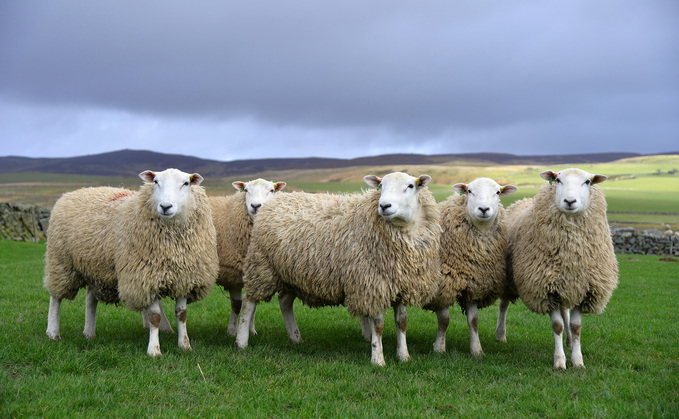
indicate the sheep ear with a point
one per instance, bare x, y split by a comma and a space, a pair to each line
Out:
548, 175
460, 188
373, 181
196, 179
240, 186
598, 179
279, 186
147, 176
423, 181
508, 189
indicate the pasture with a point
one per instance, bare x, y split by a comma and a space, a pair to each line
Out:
631, 352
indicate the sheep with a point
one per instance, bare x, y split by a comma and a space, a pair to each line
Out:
365, 251
561, 257
233, 218
473, 242
134, 247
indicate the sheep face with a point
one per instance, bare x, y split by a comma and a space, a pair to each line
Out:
257, 192
172, 191
398, 196
571, 192
483, 198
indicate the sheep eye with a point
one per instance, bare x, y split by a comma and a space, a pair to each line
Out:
186, 183
558, 180
271, 191
469, 191
498, 192
411, 186
587, 182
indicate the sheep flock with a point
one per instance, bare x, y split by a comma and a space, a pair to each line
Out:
389, 246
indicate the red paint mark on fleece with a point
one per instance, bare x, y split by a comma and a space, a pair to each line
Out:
121, 195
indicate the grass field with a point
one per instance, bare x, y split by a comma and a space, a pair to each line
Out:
631, 353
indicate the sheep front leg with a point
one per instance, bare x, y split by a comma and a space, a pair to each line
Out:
575, 327
164, 325
501, 329
53, 319
401, 320
473, 323
365, 328
285, 301
376, 329
566, 315
246, 315
154, 322
90, 314
236, 297
557, 327
443, 317
180, 314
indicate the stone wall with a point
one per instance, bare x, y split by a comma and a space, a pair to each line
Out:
645, 242
23, 222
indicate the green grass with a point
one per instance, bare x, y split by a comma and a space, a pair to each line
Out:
631, 353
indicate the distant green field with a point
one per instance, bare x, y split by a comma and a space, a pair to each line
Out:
648, 185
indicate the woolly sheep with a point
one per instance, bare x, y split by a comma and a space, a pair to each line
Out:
135, 247
365, 251
560, 255
233, 218
473, 242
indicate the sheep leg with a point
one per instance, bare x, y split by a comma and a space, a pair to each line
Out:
473, 323
285, 301
443, 317
376, 329
566, 315
557, 327
501, 329
154, 322
90, 314
164, 325
180, 314
401, 320
246, 315
236, 297
365, 328
53, 319
576, 326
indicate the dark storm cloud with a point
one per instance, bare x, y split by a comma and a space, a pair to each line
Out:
474, 76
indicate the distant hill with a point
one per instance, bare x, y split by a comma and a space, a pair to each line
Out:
124, 162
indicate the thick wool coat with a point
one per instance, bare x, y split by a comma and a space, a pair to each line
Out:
337, 250
234, 227
557, 259
472, 258
113, 241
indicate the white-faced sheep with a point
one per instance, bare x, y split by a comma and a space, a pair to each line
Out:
560, 255
473, 242
366, 251
135, 247
233, 217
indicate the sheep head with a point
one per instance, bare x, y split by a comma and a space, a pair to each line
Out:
483, 198
572, 188
398, 196
172, 190
257, 192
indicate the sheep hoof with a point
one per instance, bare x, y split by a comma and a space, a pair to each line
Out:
54, 336
501, 337
477, 353
253, 332
185, 345
89, 336
560, 364
440, 348
154, 351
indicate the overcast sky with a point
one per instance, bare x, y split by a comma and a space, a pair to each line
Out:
230, 80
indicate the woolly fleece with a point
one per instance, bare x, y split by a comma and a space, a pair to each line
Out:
337, 250
561, 260
111, 240
472, 259
234, 226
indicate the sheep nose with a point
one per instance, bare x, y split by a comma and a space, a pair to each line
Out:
570, 203
484, 210
165, 207
385, 206
255, 207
